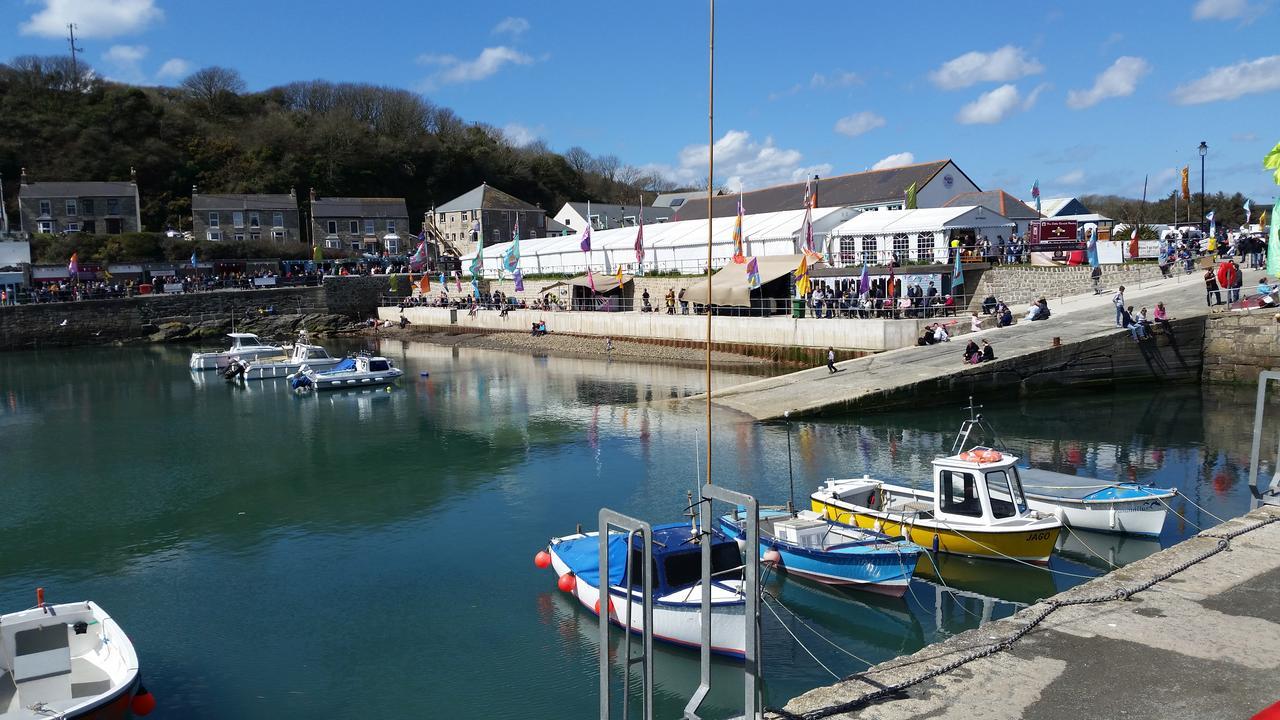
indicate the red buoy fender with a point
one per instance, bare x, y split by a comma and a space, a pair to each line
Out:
143, 702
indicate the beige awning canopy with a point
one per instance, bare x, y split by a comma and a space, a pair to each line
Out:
729, 286
604, 283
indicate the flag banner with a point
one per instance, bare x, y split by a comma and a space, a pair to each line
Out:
425, 284
193, 258
1186, 184
911, 197
457, 279
519, 278
477, 262
891, 291
317, 254
1133, 242
753, 274
957, 275
1248, 211
618, 274
640, 239
591, 279
1272, 162
1035, 194
511, 258
1092, 250
73, 266
1213, 226
1273, 246
739, 256
586, 239
475, 287
419, 258
864, 281
808, 229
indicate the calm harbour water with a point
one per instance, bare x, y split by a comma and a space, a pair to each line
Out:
354, 553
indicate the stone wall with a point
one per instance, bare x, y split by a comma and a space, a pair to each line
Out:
1238, 346
657, 287
360, 295
1019, 284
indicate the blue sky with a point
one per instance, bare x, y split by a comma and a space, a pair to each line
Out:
1084, 96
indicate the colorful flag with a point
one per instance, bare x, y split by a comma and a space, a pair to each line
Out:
1273, 245
640, 239
808, 195
317, 254
957, 275
1091, 249
753, 274
618, 274
738, 255
1213, 226
457, 279
1262, 220
586, 239
419, 258
1248, 211
1035, 194
193, 258
73, 267
425, 284
519, 278
911, 197
591, 279
477, 262
1186, 185
1272, 162
1133, 242
511, 258
890, 290
864, 282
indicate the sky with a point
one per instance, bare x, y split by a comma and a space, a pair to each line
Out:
1085, 96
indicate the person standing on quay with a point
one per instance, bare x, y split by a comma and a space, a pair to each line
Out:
1118, 301
831, 359
1212, 294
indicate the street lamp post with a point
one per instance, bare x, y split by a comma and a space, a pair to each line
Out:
1204, 150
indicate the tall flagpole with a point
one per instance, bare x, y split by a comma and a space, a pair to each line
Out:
711, 173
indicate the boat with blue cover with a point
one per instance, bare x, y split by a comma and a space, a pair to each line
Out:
810, 546
677, 583
356, 372
1092, 504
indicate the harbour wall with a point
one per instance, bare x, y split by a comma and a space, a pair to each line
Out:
1018, 285
1238, 346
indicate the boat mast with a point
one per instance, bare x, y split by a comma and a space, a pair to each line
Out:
711, 173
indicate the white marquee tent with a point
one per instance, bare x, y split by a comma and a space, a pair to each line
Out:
679, 246
922, 235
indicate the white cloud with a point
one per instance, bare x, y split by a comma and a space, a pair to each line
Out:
93, 18
990, 107
1075, 177
513, 26
1229, 83
1119, 80
124, 62
454, 71
819, 81
1034, 95
1002, 65
174, 69
858, 123
743, 163
1244, 137
894, 160
1221, 9
520, 135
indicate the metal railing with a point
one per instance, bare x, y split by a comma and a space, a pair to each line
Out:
609, 518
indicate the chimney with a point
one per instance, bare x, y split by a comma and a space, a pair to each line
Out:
313, 194
814, 203
133, 175
195, 190
293, 194
24, 176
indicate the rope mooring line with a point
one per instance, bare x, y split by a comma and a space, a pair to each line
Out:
1051, 605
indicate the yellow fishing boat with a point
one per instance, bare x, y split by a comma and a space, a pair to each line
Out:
976, 508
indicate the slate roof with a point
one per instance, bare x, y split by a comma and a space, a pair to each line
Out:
1056, 206
674, 199
864, 188
486, 197
76, 189
998, 200
240, 201
340, 207
615, 213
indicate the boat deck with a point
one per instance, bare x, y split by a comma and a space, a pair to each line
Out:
86, 678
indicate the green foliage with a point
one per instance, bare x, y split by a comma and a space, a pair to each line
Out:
156, 247
341, 139
1228, 209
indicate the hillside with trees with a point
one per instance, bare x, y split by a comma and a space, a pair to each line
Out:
1228, 209
342, 139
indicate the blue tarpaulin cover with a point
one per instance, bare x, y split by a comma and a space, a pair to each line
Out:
582, 555
348, 364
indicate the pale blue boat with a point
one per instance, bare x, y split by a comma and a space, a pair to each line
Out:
810, 546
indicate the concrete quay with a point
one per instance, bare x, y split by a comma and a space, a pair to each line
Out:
1198, 640
1078, 344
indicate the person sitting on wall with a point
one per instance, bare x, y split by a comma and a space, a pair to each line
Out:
927, 337
988, 352
1033, 311
989, 305
1044, 310
972, 355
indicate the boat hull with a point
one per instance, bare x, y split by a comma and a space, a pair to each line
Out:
1133, 517
219, 360
273, 371
353, 381
1031, 545
675, 623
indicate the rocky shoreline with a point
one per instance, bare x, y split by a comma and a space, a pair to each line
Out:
268, 327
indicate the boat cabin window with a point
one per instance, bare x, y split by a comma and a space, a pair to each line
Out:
1006, 497
958, 494
637, 577
379, 365
685, 568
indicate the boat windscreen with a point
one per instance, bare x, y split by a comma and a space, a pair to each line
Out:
684, 569
1005, 503
379, 365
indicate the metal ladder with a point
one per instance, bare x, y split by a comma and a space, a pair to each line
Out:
752, 703
1269, 495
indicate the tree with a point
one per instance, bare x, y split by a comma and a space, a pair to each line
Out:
214, 86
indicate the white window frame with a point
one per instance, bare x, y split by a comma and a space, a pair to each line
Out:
255, 220
332, 243
239, 237
237, 219
46, 208
73, 207
255, 236
214, 235
370, 228
71, 227
353, 227
333, 227
277, 219
391, 226
356, 246
393, 246
45, 227
277, 234
214, 220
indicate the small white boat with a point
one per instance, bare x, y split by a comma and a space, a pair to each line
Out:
313, 356
245, 346
1092, 504
677, 584
69, 660
356, 372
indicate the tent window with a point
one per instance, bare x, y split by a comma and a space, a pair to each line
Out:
869, 249
848, 251
924, 246
901, 246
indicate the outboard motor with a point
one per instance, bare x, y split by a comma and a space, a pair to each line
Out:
235, 369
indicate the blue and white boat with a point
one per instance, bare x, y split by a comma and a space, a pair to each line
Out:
1092, 504
356, 372
677, 584
810, 546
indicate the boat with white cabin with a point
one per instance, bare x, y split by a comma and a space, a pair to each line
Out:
245, 346
356, 372
68, 660
677, 583
313, 356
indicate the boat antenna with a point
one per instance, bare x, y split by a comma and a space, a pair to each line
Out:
711, 173
791, 478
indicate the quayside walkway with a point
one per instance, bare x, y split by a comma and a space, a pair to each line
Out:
1197, 640
1078, 344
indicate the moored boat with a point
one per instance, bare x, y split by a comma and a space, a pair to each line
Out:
359, 371
68, 660
313, 356
1090, 504
677, 584
811, 546
976, 508
245, 346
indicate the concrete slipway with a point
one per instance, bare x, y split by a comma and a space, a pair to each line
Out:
1200, 639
